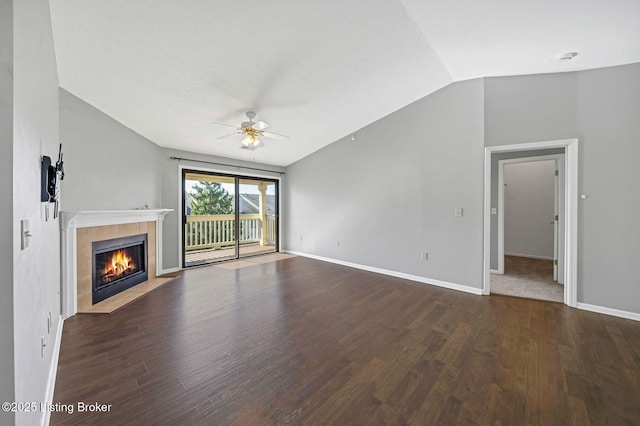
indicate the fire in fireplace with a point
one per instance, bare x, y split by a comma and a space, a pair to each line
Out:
118, 264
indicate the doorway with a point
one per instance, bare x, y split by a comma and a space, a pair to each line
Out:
227, 217
530, 227
569, 187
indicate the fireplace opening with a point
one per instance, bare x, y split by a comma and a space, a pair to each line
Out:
118, 264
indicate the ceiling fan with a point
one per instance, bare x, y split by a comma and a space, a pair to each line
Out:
252, 132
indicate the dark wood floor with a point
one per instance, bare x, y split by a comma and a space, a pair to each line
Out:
300, 341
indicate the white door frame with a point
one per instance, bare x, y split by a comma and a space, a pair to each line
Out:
560, 187
570, 211
501, 164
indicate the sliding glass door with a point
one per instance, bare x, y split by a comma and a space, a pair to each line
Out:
227, 217
257, 213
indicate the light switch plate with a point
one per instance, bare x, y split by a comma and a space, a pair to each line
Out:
24, 233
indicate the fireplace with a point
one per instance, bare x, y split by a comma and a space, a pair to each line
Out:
118, 264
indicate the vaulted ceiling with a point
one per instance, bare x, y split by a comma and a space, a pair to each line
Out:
315, 70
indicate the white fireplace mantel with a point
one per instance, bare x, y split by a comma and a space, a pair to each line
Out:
83, 219
71, 221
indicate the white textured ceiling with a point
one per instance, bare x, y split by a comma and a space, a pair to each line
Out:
316, 71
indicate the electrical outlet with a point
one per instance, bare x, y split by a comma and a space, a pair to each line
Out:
423, 255
300, 237
337, 243
42, 346
494, 210
458, 212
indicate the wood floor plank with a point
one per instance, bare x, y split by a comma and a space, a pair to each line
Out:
299, 341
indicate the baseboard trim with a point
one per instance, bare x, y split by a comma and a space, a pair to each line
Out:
423, 280
53, 370
170, 271
529, 256
608, 311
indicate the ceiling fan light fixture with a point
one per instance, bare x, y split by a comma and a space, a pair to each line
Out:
251, 132
250, 140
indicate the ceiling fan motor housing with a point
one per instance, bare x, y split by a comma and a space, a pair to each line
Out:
250, 115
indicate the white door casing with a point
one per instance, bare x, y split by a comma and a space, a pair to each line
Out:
560, 166
570, 214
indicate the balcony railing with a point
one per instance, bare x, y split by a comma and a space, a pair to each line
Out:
218, 231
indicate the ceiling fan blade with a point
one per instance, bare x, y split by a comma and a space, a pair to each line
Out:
225, 125
260, 125
276, 136
230, 135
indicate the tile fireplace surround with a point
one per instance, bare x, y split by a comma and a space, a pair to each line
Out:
80, 229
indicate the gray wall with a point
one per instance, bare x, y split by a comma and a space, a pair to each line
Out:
600, 107
529, 200
608, 114
36, 270
393, 191
495, 158
171, 191
107, 165
530, 108
7, 392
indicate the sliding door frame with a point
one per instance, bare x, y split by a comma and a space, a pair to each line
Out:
183, 169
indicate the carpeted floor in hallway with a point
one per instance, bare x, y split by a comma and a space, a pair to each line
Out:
531, 278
